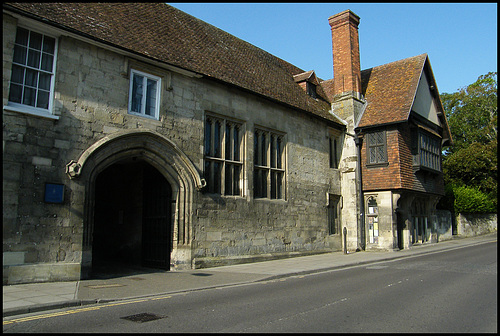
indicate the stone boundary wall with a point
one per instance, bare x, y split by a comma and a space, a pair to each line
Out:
469, 225
444, 228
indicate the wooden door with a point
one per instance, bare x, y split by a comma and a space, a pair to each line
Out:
156, 220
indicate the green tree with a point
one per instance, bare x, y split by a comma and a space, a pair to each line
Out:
472, 200
475, 165
472, 113
470, 165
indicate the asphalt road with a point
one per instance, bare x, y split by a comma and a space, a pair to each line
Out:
450, 291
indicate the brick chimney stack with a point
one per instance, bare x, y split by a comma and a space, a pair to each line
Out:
346, 63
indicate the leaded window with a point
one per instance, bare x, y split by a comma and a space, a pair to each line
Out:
223, 156
269, 165
426, 150
430, 152
377, 147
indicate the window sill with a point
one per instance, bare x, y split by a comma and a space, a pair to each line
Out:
144, 116
31, 111
426, 170
216, 195
377, 165
272, 200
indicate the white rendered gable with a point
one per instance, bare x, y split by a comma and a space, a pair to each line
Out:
424, 104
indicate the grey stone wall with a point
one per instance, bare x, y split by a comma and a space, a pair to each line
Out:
244, 226
91, 102
444, 225
469, 225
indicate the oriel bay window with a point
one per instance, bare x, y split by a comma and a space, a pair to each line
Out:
426, 150
223, 156
269, 165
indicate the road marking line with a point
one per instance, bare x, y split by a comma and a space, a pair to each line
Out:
74, 311
161, 298
43, 316
123, 303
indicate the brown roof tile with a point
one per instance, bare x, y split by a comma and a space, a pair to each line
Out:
328, 88
166, 34
390, 90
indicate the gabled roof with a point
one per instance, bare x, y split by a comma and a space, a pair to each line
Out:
163, 33
390, 90
309, 76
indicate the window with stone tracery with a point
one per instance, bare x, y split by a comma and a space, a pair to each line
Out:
269, 165
223, 167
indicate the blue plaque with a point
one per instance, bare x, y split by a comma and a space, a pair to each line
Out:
54, 193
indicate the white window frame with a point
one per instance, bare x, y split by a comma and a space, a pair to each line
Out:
146, 76
28, 109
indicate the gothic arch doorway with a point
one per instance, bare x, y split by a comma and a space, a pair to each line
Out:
124, 153
132, 218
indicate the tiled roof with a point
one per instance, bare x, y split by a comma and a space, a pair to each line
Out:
166, 34
390, 90
306, 76
328, 88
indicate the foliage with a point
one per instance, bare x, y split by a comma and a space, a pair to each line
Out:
470, 165
472, 112
475, 165
472, 200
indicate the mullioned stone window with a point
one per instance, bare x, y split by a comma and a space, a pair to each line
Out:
269, 165
223, 153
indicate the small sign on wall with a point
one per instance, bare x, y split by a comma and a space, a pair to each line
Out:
54, 193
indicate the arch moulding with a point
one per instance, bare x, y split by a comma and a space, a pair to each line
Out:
161, 153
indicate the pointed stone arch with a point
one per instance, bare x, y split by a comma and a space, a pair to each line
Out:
161, 153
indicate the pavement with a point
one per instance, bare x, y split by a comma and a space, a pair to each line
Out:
29, 298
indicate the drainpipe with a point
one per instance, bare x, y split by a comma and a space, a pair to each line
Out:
359, 181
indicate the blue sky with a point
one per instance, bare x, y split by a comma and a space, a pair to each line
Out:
460, 38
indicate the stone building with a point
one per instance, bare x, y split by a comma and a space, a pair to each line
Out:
137, 135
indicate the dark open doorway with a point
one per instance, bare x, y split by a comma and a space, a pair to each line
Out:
132, 220
399, 230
